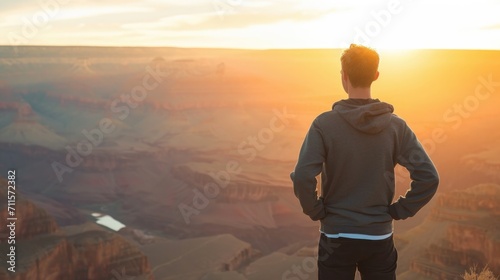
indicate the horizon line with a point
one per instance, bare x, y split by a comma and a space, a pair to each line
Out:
242, 49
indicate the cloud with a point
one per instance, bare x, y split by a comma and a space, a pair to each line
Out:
492, 27
232, 17
16, 15
255, 23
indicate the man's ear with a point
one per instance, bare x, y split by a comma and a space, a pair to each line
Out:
344, 76
376, 76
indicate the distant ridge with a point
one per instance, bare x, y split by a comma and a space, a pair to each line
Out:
27, 130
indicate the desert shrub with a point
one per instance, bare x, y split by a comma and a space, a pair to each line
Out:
473, 274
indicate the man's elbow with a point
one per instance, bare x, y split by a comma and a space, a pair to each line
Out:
429, 178
435, 178
429, 182
433, 182
300, 177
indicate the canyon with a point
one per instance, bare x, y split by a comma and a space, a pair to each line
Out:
86, 251
462, 230
168, 147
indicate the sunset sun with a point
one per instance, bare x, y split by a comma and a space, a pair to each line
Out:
385, 24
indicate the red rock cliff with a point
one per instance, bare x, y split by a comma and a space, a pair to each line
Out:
471, 235
86, 251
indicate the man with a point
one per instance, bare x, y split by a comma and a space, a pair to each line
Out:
355, 147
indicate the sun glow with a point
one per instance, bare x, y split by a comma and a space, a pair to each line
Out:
382, 24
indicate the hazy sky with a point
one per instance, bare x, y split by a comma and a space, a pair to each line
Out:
253, 23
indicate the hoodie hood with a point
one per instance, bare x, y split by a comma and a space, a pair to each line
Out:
370, 118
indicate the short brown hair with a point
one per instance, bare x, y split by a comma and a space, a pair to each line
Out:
360, 63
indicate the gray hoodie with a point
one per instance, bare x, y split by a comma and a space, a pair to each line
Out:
355, 147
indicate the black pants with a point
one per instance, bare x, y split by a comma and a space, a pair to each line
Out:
338, 259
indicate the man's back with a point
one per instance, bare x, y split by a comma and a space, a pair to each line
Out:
355, 148
358, 144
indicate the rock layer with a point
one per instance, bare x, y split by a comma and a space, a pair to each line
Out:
85, 251
471, 235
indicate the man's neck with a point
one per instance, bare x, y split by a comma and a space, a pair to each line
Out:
360, 93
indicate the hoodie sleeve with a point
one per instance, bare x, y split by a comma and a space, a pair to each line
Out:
423, 175
309, 165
